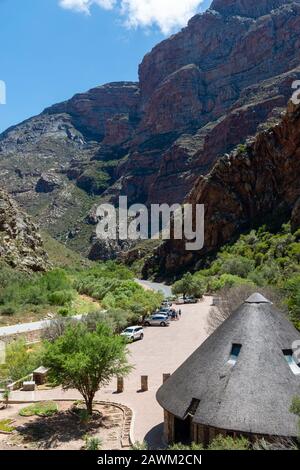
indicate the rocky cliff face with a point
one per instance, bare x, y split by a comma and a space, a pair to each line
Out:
201, 92
21, 245
255, 184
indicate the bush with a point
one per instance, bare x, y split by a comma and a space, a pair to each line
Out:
140, 446
6, 425
8, 310
20, 360
41, 409
229, 443
61, 297
180, 446
237, 265
227, 280
92, 443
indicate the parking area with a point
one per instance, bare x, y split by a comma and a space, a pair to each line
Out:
161, 351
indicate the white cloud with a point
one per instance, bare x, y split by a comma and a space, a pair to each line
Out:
166, 14
85, 5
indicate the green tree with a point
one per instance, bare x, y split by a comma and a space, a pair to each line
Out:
189, 285
86, 360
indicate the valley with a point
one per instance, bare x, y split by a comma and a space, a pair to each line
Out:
128, 343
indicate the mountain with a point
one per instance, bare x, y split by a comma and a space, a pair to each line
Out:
21, 245
200, 93
256, 184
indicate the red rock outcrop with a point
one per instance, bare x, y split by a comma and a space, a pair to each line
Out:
256, 183
200, 93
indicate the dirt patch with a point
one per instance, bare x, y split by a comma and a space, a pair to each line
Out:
64, 430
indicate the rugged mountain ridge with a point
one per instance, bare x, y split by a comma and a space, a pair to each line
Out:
254, 184
200, 93
21, 245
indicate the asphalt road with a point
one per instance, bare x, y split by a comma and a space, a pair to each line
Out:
156, 286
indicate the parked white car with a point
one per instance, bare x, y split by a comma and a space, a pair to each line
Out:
133, 333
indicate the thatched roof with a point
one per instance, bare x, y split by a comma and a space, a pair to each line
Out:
251, 394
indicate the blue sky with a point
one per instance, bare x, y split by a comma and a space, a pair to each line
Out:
52, 49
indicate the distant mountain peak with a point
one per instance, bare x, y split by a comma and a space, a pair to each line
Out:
249, 8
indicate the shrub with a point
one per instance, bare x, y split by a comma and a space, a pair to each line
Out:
6, 425
237, 265
8, 310
180, 446
41, 409
227, 280
229, 443
61, 297
92, 443
20, 360
140, 446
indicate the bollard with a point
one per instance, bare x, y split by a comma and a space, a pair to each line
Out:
144, 383
120, 385
165, 377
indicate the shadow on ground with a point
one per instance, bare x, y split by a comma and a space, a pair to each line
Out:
50, 432
154, 438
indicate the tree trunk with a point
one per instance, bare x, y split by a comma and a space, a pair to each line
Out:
89, 404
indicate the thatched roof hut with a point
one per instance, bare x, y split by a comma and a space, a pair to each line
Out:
242, 378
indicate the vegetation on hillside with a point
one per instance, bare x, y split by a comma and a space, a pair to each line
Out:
72, 291
259, 259
61, 256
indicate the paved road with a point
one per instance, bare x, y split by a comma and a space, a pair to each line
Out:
27, 327
166, 290
161, 351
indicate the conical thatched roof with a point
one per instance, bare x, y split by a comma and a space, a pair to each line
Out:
252, 392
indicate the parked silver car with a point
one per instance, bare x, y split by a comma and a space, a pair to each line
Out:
157, 320
164, 311
133, 333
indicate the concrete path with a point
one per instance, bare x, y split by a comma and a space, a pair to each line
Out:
161, 351
27, 327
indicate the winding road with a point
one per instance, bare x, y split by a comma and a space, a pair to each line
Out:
156, 286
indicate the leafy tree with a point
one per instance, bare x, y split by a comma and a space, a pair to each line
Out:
86, 360
189, 285
237, 265
92, 443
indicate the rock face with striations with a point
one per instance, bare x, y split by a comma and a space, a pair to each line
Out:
21, 245
200, 93
255, 184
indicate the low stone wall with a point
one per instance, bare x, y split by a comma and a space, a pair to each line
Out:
29, 336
